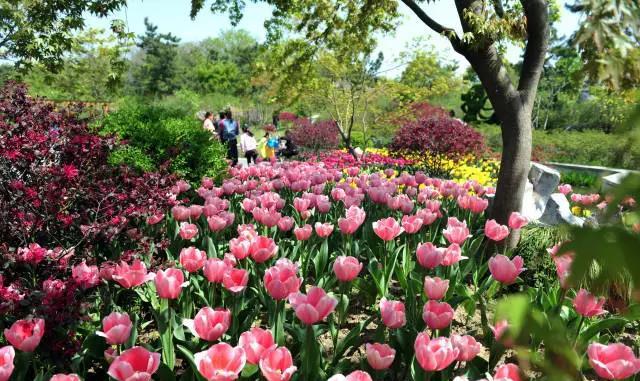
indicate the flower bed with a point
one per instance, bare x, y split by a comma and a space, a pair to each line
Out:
305, 272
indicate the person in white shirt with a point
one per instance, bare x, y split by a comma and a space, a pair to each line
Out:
209, 125
248, 145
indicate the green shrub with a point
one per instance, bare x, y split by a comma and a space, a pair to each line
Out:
534, 241
156, 134
579, 179
585, 147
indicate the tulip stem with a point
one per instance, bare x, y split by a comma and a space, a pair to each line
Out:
278, 327
575, 343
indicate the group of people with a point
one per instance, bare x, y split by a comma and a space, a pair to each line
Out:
227, 130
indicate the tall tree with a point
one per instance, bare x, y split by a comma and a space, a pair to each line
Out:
155, 75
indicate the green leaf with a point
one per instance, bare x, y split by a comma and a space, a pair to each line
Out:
249, 370
602, 325
188, 355
164, 373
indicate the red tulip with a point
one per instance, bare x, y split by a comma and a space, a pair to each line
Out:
387, 228
429, 256
255, 342
262, 249
505, 270
85, 276
209, 324
188, 231
456, 231
435, 288
411, 224
235, 280
467, 346
380, 356
214, 270
303, 233
346, 268
507, 372
436, 354
323, 230
65, 377
221, 362
169, 283
276, 364
587, 304
393, 313
116, 328
135, 364
281, 280
7, 355
517, 221
613, 361
132, 276
25, 334
192, 259
494, 231
314, 306
437, 315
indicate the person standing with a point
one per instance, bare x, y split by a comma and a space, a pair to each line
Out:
209, 124
230, 130
219, 126
248, 145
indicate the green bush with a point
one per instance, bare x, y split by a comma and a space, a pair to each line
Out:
586, 147
533, 245
157, 134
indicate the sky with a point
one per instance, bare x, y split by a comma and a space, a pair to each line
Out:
173, 16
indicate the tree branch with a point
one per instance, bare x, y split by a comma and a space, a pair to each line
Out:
433, 24
537, 17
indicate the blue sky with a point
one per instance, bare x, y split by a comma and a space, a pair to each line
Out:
173, 16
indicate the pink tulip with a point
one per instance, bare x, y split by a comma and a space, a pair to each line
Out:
478, 205
494, 231
587, 304
85, 276
214, 270
285, 224
221, 362
209, 324
380, 356
356, 214
110, 354
499, 329
240, 247
505, 270
393, 314
436, 354
155, 218
563, 267
387, 228
276, 364
248, 205
235, 280
456, 231
216, 223
357, 375
7, 355
25, 334
301, 204
169, 283
255, 342
411, 224
346, 268
565, 189
517, 221
65, 377
314, 306
507, 372
135, 364
262, 249
192, 259
282, 279
467, 346
452, 255
188, 231
323, 230
180, 213
348, 225
613, 361
116, 328
429, 256
437, 315
435, 288
303, 233
195, 211
428, 217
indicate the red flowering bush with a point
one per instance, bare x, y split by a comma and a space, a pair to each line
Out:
438, 135
315, 136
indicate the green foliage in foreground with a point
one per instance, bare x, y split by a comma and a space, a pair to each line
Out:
586, 147
156, 134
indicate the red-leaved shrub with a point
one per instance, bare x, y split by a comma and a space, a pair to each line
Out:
315, 136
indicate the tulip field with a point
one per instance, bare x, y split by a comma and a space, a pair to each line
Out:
301, 271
